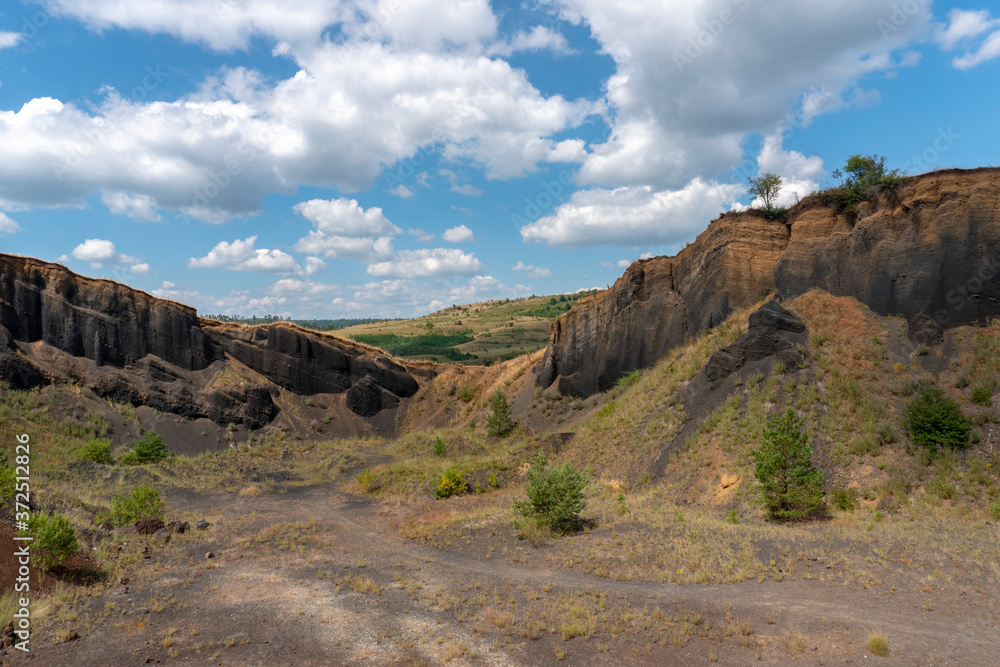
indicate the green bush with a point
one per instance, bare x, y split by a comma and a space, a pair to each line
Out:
143, 503
790, 488
368, 482
54, 540
995, 509
982, 394
499, 420
934, 420
628, 379
439, 447
555, 495
863, 176
451, 483
97, 450
466, 394
150, 449
845, 500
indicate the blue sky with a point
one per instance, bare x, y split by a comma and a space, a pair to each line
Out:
358, 158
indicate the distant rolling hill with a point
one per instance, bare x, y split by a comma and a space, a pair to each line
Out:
478, 333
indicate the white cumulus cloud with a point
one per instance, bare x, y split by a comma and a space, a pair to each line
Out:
9, 39
314, 265
137, 207
691, 83
427, 263
99, 252
7, 225
632, 215
344, 217
243, 256
964, 25
459, 234
532, 271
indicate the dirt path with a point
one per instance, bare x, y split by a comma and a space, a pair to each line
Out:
315, 577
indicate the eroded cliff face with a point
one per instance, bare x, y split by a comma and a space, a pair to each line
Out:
929, 248
660, 301
128, 346
932, 248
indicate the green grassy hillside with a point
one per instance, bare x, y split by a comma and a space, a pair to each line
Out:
478, 333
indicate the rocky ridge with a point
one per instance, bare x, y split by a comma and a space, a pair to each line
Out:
129, 346
928, 250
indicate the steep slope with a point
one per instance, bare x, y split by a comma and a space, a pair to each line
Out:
929, 248
126, 345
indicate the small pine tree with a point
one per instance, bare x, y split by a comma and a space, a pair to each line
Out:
150, 449
499, 420
555, 495
790, 487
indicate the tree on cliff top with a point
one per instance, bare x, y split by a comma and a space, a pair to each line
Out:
766, 187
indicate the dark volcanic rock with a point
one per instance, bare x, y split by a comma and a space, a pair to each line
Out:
925, 330
148, 526
365, 398
659, 302
309, 364
929, 248
97, 319
932, 248
130, 347
773, 331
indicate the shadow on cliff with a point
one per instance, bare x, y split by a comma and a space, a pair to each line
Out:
132, 348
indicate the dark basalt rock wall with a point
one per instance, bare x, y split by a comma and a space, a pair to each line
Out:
933, 248
659, 302
97, 319
126, 345
773, 331
309, 364
929, 248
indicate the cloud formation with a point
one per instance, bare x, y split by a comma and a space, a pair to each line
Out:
964, 29
714, 83
7, 225
99, 252
427, 263
632, 215
459, 234
532, 271
243, 256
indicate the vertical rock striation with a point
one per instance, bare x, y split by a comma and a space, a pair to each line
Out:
928, 249
129, 346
